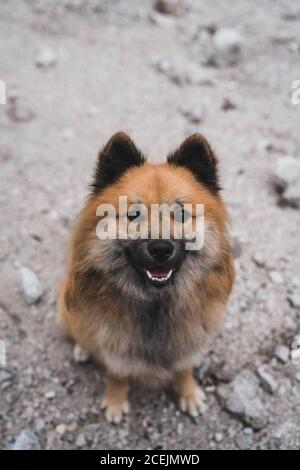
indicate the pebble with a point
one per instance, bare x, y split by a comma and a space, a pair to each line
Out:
170, 7
18, 111
286, 179
267, 380
45, 58
228, 45
50, 395
61, 429
80, 354
276, 277
294, 300
27, 440
159, 19
201, 371
80, 440
219, 437
31, 286
228, 105
236, 247
282, 353
259, 260
39, 424
6, 376
244, 442
179, 428
242, 399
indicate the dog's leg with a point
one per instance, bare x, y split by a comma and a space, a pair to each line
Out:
190, 396
115, 398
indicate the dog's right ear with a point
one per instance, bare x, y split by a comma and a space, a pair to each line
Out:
118, 155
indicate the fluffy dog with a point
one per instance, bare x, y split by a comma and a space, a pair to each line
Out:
145, 307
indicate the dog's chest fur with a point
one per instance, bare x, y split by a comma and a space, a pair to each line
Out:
160, 338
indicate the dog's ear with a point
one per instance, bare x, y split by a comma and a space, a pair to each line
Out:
117, 156
196, 155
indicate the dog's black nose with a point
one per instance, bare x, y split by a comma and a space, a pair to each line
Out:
160, 250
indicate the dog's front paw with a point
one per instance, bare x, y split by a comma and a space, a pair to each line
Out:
114, 408
192, 402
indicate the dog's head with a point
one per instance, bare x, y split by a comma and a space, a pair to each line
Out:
136, 256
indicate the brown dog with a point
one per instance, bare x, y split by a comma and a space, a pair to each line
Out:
145, 307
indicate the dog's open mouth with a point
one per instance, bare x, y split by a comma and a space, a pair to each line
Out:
159, 276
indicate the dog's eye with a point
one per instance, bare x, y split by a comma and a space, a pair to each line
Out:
133, 215
181, 216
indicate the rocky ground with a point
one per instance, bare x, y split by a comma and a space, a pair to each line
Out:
77, 71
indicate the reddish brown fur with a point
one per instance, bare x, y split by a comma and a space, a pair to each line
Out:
88, 309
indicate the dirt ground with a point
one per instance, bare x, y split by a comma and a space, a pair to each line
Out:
119, 65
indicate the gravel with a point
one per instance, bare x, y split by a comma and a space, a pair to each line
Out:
242, 398
286, 179
228, 44
45, 58
116, 69
282, 353
31, 286
267, 380
27, 440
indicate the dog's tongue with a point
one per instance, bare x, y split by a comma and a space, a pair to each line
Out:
159, 272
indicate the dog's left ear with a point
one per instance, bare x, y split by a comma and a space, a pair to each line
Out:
118, 155
196, 155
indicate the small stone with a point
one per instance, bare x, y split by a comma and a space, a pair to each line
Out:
219, 437
282, 353
195, 114
268, 382
39, 424
286, 179
294, 300
45, 58
196, 75
228, 105
248, 431
50, 395
27, 440
179, 428
244, 442
80, 354
276, 277
61, 429
80, 441
6, 376
285, 435
18, 111
297, 377
228, 44
242, 399
164, 66
159, 19
170, 7
259, 259
236, 247
30, 285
